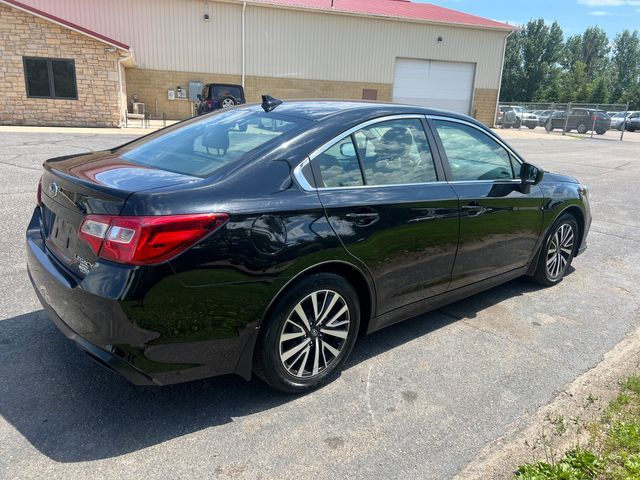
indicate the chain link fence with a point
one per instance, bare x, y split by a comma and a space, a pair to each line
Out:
606, 121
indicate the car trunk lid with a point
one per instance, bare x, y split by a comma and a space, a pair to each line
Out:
98, 183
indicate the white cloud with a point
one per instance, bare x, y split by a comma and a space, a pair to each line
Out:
598, 13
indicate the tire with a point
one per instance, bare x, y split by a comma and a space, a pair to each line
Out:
582, 128
548, 127
531, 127
227, 102
631, 129
601, 132
518, 123
291, 365
565, 232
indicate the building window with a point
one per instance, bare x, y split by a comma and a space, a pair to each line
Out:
50, 78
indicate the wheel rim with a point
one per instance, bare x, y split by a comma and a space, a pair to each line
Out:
559, 251
314, 334
227, 102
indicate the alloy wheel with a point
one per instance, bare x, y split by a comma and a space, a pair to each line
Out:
314, 334
560, 251
227, 103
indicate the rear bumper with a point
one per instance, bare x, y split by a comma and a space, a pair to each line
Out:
56, 287
104, 314
104, 358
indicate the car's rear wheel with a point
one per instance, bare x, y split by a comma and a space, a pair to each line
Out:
601, 132
518, 123
309, 335
548, 127
582, 128
557, 251
227, 102
531, 127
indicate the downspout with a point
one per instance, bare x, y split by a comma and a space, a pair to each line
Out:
504, 53
123, 111
244, 7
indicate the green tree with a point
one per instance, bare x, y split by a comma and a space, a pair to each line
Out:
595, 52
512, 73
541, 50
599, 91
626, 65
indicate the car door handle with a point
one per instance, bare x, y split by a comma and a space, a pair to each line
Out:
473, 209
362, 218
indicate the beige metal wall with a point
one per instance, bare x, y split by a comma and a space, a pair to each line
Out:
170, 35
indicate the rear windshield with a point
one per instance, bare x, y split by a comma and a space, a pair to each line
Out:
200, 147
226, 91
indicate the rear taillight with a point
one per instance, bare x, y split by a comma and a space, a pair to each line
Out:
147, 240
211, 103
39, 192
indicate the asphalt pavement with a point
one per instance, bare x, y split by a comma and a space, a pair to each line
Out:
417, 400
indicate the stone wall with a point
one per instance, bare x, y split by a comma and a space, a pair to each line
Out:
99, 101
151, 88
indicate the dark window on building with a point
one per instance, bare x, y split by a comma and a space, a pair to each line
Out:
50, 78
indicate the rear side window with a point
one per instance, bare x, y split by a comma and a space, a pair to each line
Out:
472, 154
338, 166
202, 146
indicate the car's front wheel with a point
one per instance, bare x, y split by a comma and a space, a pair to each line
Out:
309, 335
557, 251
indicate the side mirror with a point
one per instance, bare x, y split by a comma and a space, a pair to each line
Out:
347, 150
199, 96
530, 174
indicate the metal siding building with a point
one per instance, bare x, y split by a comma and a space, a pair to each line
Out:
292, 49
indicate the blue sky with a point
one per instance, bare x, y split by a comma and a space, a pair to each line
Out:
572, 15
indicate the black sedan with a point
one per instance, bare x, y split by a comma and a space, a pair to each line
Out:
265, 238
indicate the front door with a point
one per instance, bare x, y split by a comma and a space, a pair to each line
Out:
500, 221
388, 203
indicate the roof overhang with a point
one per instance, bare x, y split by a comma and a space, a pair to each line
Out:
292, 5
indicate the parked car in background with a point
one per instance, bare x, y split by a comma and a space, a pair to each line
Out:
633, 122
507, 117
617, 119
520, 117
265, 239
581, 119
543, 116
526, 118
215, 96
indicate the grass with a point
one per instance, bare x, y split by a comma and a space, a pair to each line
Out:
613, 450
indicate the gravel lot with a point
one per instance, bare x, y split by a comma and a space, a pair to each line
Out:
417, 400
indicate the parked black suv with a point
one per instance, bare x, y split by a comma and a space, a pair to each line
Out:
580, 119
220, 95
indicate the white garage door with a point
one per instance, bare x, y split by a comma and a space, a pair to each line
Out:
435, 84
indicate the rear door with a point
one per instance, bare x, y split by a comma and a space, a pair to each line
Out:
500, 222
385, 197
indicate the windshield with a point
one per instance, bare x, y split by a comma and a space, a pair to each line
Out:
200, 147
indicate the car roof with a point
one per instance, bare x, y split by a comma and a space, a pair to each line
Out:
320, 110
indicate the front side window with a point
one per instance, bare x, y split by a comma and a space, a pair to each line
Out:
472, 154
50, 78
395, 152
200, 147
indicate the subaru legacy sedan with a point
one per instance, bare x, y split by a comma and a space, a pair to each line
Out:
264, 239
